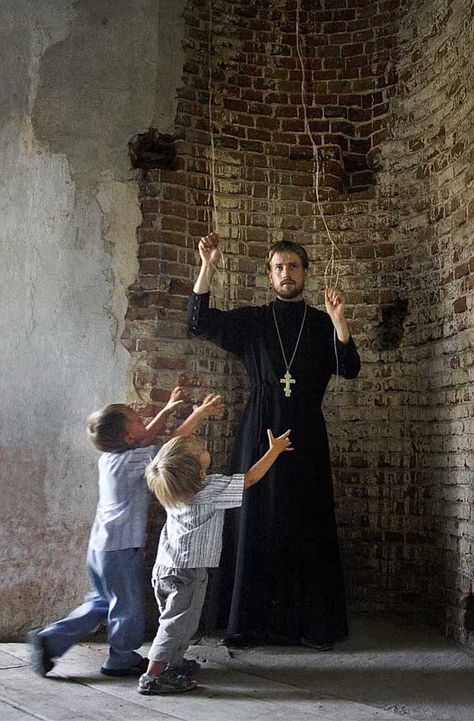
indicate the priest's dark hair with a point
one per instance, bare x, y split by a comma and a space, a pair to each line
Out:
287, 246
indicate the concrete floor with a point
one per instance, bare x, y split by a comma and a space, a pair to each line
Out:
386, 671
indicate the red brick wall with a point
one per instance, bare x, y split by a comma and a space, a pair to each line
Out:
373, 72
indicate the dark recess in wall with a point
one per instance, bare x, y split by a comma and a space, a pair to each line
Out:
152, 150
389, 332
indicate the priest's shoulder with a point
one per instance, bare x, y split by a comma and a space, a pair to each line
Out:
242, 315
319, 317
251, 314
244, 311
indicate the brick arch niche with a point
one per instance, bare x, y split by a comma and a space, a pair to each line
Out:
388, 105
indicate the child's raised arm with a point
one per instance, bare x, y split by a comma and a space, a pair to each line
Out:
211, 406
157, 426
277, 446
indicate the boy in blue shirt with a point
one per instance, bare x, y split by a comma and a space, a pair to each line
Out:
115, 555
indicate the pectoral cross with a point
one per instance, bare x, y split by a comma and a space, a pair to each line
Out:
287, 379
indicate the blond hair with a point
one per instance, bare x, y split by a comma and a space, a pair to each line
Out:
174, 475
107, 428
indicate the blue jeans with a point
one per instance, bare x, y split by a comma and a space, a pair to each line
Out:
116, 597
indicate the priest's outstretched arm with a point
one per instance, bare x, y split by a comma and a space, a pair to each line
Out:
342, 350
335, 307
228, 329
210, 252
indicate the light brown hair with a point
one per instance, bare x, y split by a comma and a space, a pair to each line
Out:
287, 246
107, 428
174, 475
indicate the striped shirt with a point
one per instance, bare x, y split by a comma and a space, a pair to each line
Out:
192, 534
121, 516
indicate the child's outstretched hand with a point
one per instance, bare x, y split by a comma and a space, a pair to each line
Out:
280, 444
212, 405
177, 397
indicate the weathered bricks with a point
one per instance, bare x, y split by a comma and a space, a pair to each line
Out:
395, 183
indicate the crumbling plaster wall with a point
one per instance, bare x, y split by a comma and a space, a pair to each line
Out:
78, 80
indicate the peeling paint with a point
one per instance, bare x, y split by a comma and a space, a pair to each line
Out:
79, 79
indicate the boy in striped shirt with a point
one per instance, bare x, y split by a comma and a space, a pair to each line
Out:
190, 543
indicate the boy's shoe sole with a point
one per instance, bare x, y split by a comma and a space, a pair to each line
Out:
137, 670
168, 682
41, 661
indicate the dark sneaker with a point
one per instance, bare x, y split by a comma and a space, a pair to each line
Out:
189, 667
41, 661
137, 670
167, 682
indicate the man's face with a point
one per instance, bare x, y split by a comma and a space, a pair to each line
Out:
287, 275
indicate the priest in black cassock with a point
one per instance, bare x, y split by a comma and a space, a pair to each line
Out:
282, 545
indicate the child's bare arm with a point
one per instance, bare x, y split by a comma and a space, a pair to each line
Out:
211, 406
277, 446
157, 425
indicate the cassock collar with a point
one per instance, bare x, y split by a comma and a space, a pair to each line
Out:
288, 307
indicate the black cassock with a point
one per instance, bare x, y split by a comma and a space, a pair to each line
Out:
281, 548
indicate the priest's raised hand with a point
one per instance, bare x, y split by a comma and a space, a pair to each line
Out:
335, 307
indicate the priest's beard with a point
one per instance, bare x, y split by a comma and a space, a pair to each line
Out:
289, 292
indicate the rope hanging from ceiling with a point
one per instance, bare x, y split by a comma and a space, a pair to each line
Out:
331, 273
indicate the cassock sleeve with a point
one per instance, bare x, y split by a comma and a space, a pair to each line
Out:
228, 329
347, 361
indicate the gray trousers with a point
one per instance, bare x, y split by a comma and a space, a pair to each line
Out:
180, 594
